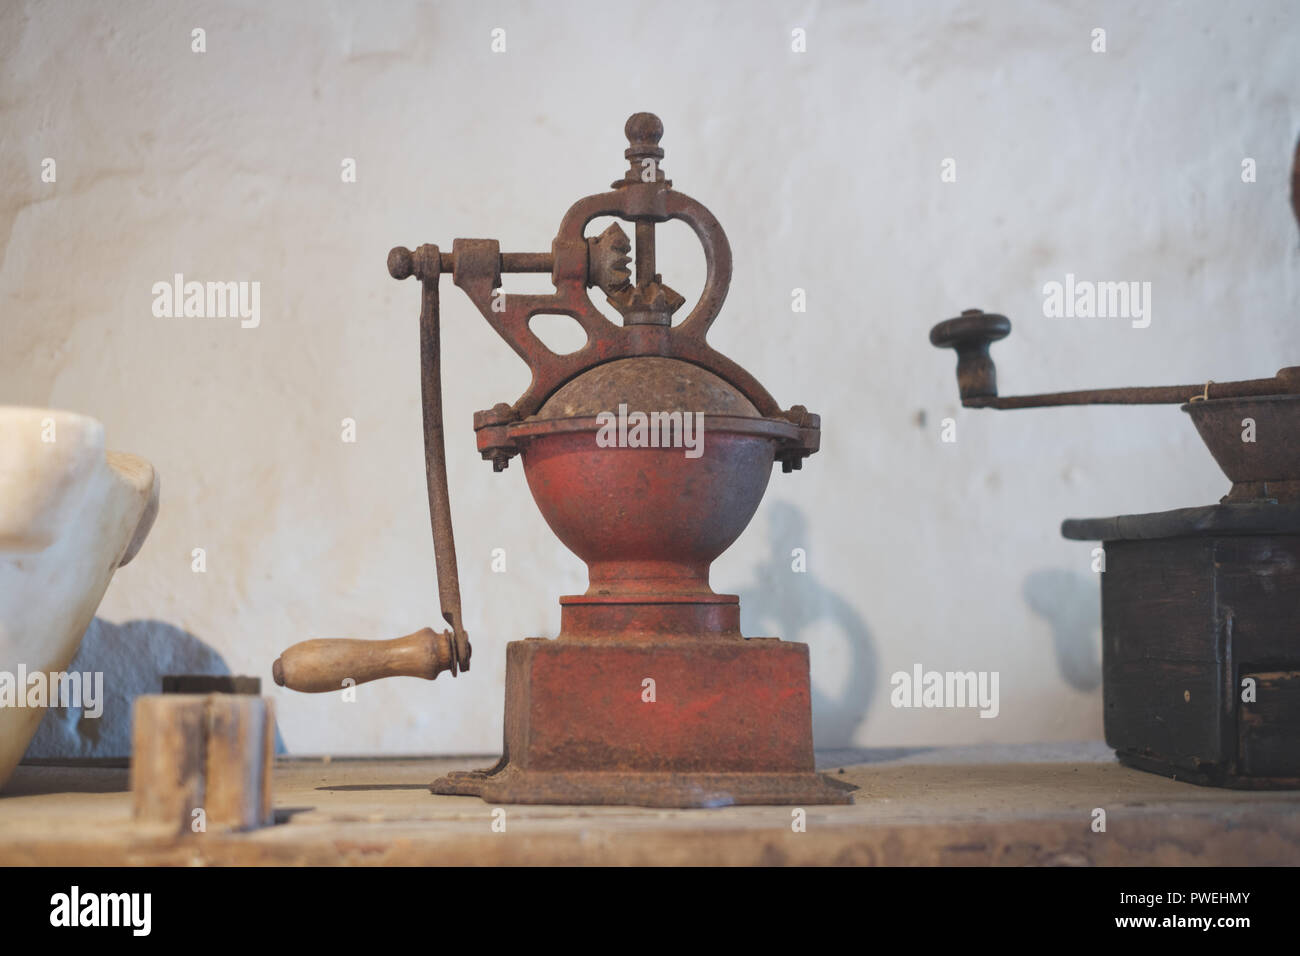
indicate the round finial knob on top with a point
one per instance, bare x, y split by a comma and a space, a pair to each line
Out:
643, 131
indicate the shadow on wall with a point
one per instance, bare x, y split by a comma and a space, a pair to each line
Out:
1069, 602
784, 603
133, 658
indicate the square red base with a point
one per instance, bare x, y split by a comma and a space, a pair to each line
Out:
664, 723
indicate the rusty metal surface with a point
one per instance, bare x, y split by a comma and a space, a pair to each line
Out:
972, 333
666, 385
511, 785
644, 197
734, 724
647, 521
731, 724
435, 467
1267, 467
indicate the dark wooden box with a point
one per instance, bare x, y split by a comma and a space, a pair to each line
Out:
1200, 611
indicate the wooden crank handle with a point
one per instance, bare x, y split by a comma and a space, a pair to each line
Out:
319, 666
970, 335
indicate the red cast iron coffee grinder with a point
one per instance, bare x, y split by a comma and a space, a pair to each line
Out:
730, 720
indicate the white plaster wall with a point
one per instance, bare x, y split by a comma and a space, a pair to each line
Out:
825, 169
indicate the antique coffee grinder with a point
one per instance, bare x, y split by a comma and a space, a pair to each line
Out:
649, 695
1200, 607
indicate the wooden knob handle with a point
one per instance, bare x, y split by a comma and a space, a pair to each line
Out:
970, 335
319, 666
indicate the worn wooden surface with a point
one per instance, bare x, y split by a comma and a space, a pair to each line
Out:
1016, 805
208, 754
1184, 621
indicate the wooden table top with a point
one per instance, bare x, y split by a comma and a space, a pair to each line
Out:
1029, 804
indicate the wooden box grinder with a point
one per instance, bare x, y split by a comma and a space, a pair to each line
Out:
1200, 652
1200, 606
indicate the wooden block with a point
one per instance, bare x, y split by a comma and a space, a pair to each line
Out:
1184, 620
167, 758
266, 813
237, 760
210, 753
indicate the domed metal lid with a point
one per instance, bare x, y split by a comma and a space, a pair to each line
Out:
647, 384
650, 359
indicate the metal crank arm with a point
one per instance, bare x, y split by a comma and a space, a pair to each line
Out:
972, 332
317, 666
